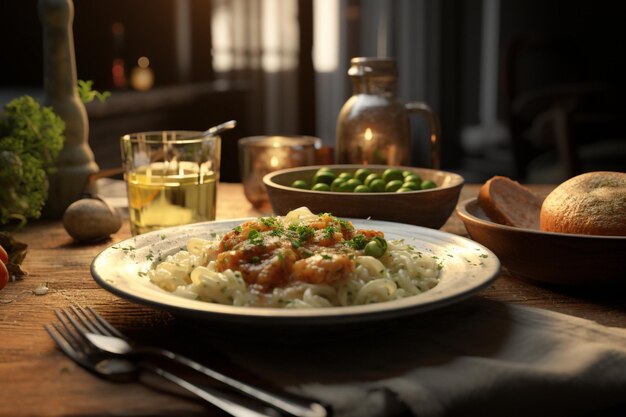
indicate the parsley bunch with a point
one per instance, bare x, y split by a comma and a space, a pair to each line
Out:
31, 137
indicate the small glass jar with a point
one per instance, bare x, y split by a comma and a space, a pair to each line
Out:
260, 155
373, 125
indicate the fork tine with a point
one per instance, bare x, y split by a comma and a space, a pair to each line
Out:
69, 318
66, 331
112, 330
65, 346
99, 328
84, 319
69, 337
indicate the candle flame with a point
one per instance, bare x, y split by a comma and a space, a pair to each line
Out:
274, 161
368, 134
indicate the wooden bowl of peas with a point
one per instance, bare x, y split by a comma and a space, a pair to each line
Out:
419, 196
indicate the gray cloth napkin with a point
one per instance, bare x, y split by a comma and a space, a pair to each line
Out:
479, 358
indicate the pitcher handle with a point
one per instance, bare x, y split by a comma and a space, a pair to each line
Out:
434, 127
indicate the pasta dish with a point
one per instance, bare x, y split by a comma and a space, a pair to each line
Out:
301, 260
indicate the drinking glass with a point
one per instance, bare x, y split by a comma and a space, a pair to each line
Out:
171, 178
260, 155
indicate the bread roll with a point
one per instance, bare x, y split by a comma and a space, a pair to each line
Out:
592, 204
508, 202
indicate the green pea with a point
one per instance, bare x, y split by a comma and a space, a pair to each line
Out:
393, 186
327, 169
352, 183
376, 247
428, 184
325, 177
362, 189
392, 174
410, 185
406, 173
370, 178
300, 184
404, 190
361, 174
377, 185
337, 184
413, 178
345, 175
344, 187
320, 186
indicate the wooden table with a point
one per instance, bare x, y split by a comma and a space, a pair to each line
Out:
37, 380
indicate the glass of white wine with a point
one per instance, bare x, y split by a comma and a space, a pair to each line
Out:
171, 178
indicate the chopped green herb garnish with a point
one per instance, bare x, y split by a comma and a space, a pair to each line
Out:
330, 231
358, 242
345, 224
255, 237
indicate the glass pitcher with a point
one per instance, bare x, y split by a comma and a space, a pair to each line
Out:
373, 125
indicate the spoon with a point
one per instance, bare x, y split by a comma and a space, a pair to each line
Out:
220, 128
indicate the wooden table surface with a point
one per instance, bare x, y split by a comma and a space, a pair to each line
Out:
37, 380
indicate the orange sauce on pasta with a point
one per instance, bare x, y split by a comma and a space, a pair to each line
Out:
269, 254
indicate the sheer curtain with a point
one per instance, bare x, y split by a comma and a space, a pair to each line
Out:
259, 41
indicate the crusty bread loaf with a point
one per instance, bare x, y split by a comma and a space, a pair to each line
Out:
593, 204
508, 202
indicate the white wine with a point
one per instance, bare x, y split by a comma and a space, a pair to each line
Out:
159, 198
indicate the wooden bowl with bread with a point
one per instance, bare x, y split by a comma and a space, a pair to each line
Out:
574, 235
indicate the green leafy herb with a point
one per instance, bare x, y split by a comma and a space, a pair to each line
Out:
255, 237
270, 221
302, 232
31, 137
345, 224
87, 94
358, 242
330, 231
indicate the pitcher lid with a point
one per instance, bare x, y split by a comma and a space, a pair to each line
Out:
360, 66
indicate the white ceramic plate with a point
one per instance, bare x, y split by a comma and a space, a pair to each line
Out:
468, 267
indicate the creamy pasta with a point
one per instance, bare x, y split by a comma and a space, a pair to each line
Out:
301, 260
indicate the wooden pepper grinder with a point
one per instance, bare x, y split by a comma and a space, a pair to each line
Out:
75, 162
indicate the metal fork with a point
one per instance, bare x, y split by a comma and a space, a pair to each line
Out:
116, 343
69, 337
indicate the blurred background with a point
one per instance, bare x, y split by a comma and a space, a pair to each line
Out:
531, 89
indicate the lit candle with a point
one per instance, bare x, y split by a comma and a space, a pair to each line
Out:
369, 146
368, 134
262, 154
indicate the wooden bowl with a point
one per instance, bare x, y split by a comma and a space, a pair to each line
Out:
555, 258
428, 208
